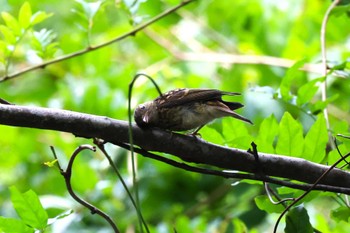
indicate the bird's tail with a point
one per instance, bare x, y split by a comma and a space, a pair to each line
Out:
234, 106
237, 116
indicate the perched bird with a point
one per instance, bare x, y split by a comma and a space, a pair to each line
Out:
186, 109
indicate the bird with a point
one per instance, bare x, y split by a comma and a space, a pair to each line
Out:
186, 109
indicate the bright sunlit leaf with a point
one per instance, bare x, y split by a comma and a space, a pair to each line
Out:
316, 141
24, 15
50, 163
11, 225
290, 138
29, 208
12, 23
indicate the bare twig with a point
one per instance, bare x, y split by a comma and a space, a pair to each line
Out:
133, 162
100, 145
92, 48
309, 190
324, 59
270, 193
67, 174
226, 58
225, 174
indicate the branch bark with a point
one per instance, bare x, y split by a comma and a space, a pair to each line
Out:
188, 148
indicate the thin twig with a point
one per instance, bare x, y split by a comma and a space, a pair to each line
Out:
133, 162
309, 190
67, 174
100, 145
227, 58
336, 146
225, 173
324, 60
92, 48
270, 193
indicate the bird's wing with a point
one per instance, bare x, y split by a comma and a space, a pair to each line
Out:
185, 96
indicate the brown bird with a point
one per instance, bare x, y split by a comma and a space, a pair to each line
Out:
186, 109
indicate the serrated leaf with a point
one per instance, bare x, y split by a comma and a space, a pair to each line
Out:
290, 138
267, 134
38, 17
297, 221
24, 15
341, 214
8, 35
288, 80
42, 43
11, 23
11, 225
308, 90
29, 208
263, 203
316, 141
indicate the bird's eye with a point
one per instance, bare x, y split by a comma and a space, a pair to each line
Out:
142, 107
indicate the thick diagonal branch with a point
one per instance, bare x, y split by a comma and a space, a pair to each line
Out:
187, 148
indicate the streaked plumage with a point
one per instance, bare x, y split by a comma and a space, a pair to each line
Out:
186, 109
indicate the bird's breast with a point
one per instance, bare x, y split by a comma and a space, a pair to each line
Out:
185, 117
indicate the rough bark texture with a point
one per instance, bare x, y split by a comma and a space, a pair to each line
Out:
187, 148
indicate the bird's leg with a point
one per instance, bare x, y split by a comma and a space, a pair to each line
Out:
195, 133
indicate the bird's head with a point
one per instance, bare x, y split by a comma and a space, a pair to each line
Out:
145, 114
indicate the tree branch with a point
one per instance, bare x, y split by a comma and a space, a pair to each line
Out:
92, 48
188, 148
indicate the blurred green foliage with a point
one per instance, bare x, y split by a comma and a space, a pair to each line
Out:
285, 105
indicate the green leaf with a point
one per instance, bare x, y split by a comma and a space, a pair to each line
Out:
90, 8
263, 203
267, 134
307, 91
236, 133
339, 10
24, 15
42, 43
38, 17
297, 221
288, 80
60, 216
11, 225
290, 138
341, 214
8, 35
316, 141
132, 5
236, 225
29, 208
11, 23
50, 163
318, 106
334, 156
